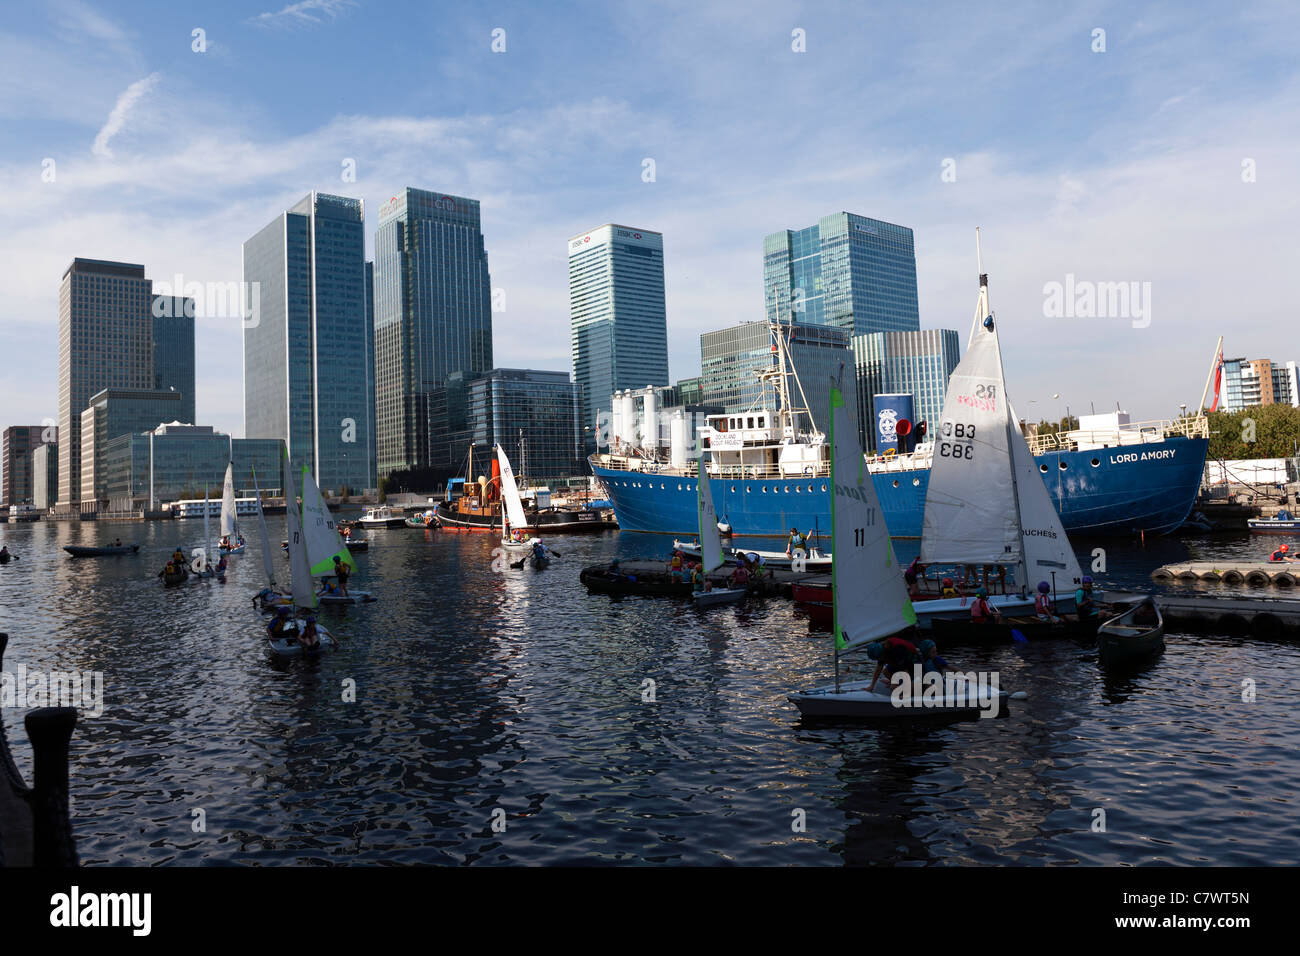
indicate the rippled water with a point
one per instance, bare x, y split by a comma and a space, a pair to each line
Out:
483, 696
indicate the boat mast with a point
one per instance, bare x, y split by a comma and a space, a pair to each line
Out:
984, 313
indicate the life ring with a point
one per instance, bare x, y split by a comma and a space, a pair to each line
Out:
808, 472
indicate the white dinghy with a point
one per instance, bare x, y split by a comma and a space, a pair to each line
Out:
711, 556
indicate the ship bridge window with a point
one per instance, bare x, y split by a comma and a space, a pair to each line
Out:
760, 421
751, 422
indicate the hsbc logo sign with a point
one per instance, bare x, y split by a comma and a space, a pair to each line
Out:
627, 234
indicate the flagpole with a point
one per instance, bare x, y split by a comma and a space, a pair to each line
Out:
1218, 357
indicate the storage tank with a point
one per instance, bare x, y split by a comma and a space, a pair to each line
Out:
677, 439
616, 432
629, 419
651, 418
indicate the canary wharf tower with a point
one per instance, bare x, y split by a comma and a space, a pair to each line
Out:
433, 314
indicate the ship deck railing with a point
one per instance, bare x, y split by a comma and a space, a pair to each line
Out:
1133, 433
760, 472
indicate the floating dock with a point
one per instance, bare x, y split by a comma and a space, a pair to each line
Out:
1282, 574
1264, 617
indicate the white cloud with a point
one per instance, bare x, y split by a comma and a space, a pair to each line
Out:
304, 13
121, 113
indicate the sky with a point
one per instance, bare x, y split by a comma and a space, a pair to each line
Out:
1163, 151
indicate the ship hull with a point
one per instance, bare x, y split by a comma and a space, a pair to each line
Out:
1131, 489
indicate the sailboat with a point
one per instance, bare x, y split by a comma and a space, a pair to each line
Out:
285, 644
515, 522
209, 566
232, 542
872, 602
711, 556
324, 544
269, 596
986, 504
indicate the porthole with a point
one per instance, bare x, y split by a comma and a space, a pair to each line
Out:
916, 482
895, 482
1064, 466
662, 486
1096, 462
798, 490
810, 489
823, 487
679, 486
1043, 469
765, 489
749, 489
787, 489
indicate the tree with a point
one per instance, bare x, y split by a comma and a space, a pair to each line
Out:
1265, 431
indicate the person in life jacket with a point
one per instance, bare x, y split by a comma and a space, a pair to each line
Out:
1280, 554
308, 636
949, 590
740, 577
931, 662
222, 565
892, 655
675, 566
1085, 608
981, 611
796, 542
1043, 603
913, 571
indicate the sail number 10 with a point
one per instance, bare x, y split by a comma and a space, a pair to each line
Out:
957, 441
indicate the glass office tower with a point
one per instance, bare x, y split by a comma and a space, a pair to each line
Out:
105, 341
16, 470
112, 413
173, 351
432, 314
618, 323
308, 359
729, 359
917, 363
848, 272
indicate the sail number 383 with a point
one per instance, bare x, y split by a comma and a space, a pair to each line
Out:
957, 441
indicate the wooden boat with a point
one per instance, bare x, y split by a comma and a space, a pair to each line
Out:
599, 579
1135, 635
77, 551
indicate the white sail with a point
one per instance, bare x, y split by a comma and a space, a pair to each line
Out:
304, 593
510, 494
970, 505
207, 524
228, 503
1046, 548
324, 542
710, 540
266, 539
867, 584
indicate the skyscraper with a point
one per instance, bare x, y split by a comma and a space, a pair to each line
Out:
105, 341
916, 363
848, 271
308, 359
173, 351
18, 455
618, 324
432, 314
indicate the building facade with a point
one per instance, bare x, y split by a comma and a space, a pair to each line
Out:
617, 317
914, 363
534, 415
847, 272
1248, 383
45, 476
173, 351
432, 314
309, 359
116, 412
17, 460
731, 358
171, 462
105, 341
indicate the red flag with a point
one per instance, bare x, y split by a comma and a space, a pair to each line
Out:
1218, 378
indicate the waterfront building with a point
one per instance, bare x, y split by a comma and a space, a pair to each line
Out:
173, 351
534, 415
45, 476
847, 272
915, 363
1248, 383
17, 462
175, 461
309, 359
432, 315
655, 422
112, 413
731, 358
618, 322
105, 341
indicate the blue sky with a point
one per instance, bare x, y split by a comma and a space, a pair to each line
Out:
1116, 166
